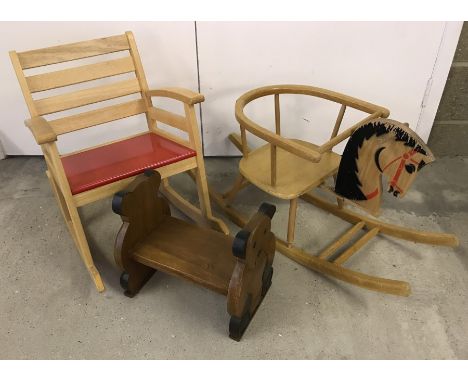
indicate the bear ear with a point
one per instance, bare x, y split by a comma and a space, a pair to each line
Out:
239, 245
118, 202
150, 172
155, 177
149, 178
267, 209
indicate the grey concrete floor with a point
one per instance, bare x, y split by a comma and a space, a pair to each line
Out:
49, 308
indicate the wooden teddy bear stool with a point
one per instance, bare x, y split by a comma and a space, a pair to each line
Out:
151, 239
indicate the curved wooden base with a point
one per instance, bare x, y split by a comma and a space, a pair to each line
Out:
334, 269
378, 284
71, 217
400, 288
400, 232
323, 263
190, 210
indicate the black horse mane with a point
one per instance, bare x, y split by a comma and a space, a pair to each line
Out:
347, 181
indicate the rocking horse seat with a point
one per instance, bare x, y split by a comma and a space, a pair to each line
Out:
377, 146
102, 165
294, 175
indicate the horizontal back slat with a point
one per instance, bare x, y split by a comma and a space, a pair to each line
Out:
85, 97
97, 117
75, 51
168, 118
60, 78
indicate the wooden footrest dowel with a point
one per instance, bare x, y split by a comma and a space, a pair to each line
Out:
346, 237
236, 140
405, 233
356, 246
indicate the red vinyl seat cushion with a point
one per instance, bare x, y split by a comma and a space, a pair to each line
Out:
96, 167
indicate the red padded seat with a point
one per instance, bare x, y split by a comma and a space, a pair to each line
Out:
106, 164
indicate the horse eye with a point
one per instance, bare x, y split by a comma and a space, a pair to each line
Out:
410, 168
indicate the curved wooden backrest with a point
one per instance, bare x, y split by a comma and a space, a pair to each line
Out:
276, 139
37, 83
306, 90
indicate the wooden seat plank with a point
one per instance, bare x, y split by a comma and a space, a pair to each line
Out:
97, 117
71, 76
203, 255
69, 52
84, 97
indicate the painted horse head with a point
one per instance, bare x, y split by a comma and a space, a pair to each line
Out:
380, 146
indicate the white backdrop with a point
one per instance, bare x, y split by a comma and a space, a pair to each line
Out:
400, 65
167, 50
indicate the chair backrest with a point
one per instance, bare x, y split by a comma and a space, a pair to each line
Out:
68, 100
275, 139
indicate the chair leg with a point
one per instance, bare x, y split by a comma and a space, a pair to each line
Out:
83, 248
200, 175
179, 202
238, 185
204, 197
202, 189
291, 221
72, 218
60, 200
339, 201
187, 208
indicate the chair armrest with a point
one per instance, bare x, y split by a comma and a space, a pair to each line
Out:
275, 139
288, 145
297, 149
41, 129
184, 95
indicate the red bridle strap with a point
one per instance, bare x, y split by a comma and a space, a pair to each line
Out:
373, 194
405, 157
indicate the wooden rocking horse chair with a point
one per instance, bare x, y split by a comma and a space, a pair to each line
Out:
290, 169
82, 177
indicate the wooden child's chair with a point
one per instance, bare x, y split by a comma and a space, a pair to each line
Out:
82, 177
151, 239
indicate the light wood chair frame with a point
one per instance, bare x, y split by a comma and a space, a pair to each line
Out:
46, 132
325, 262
